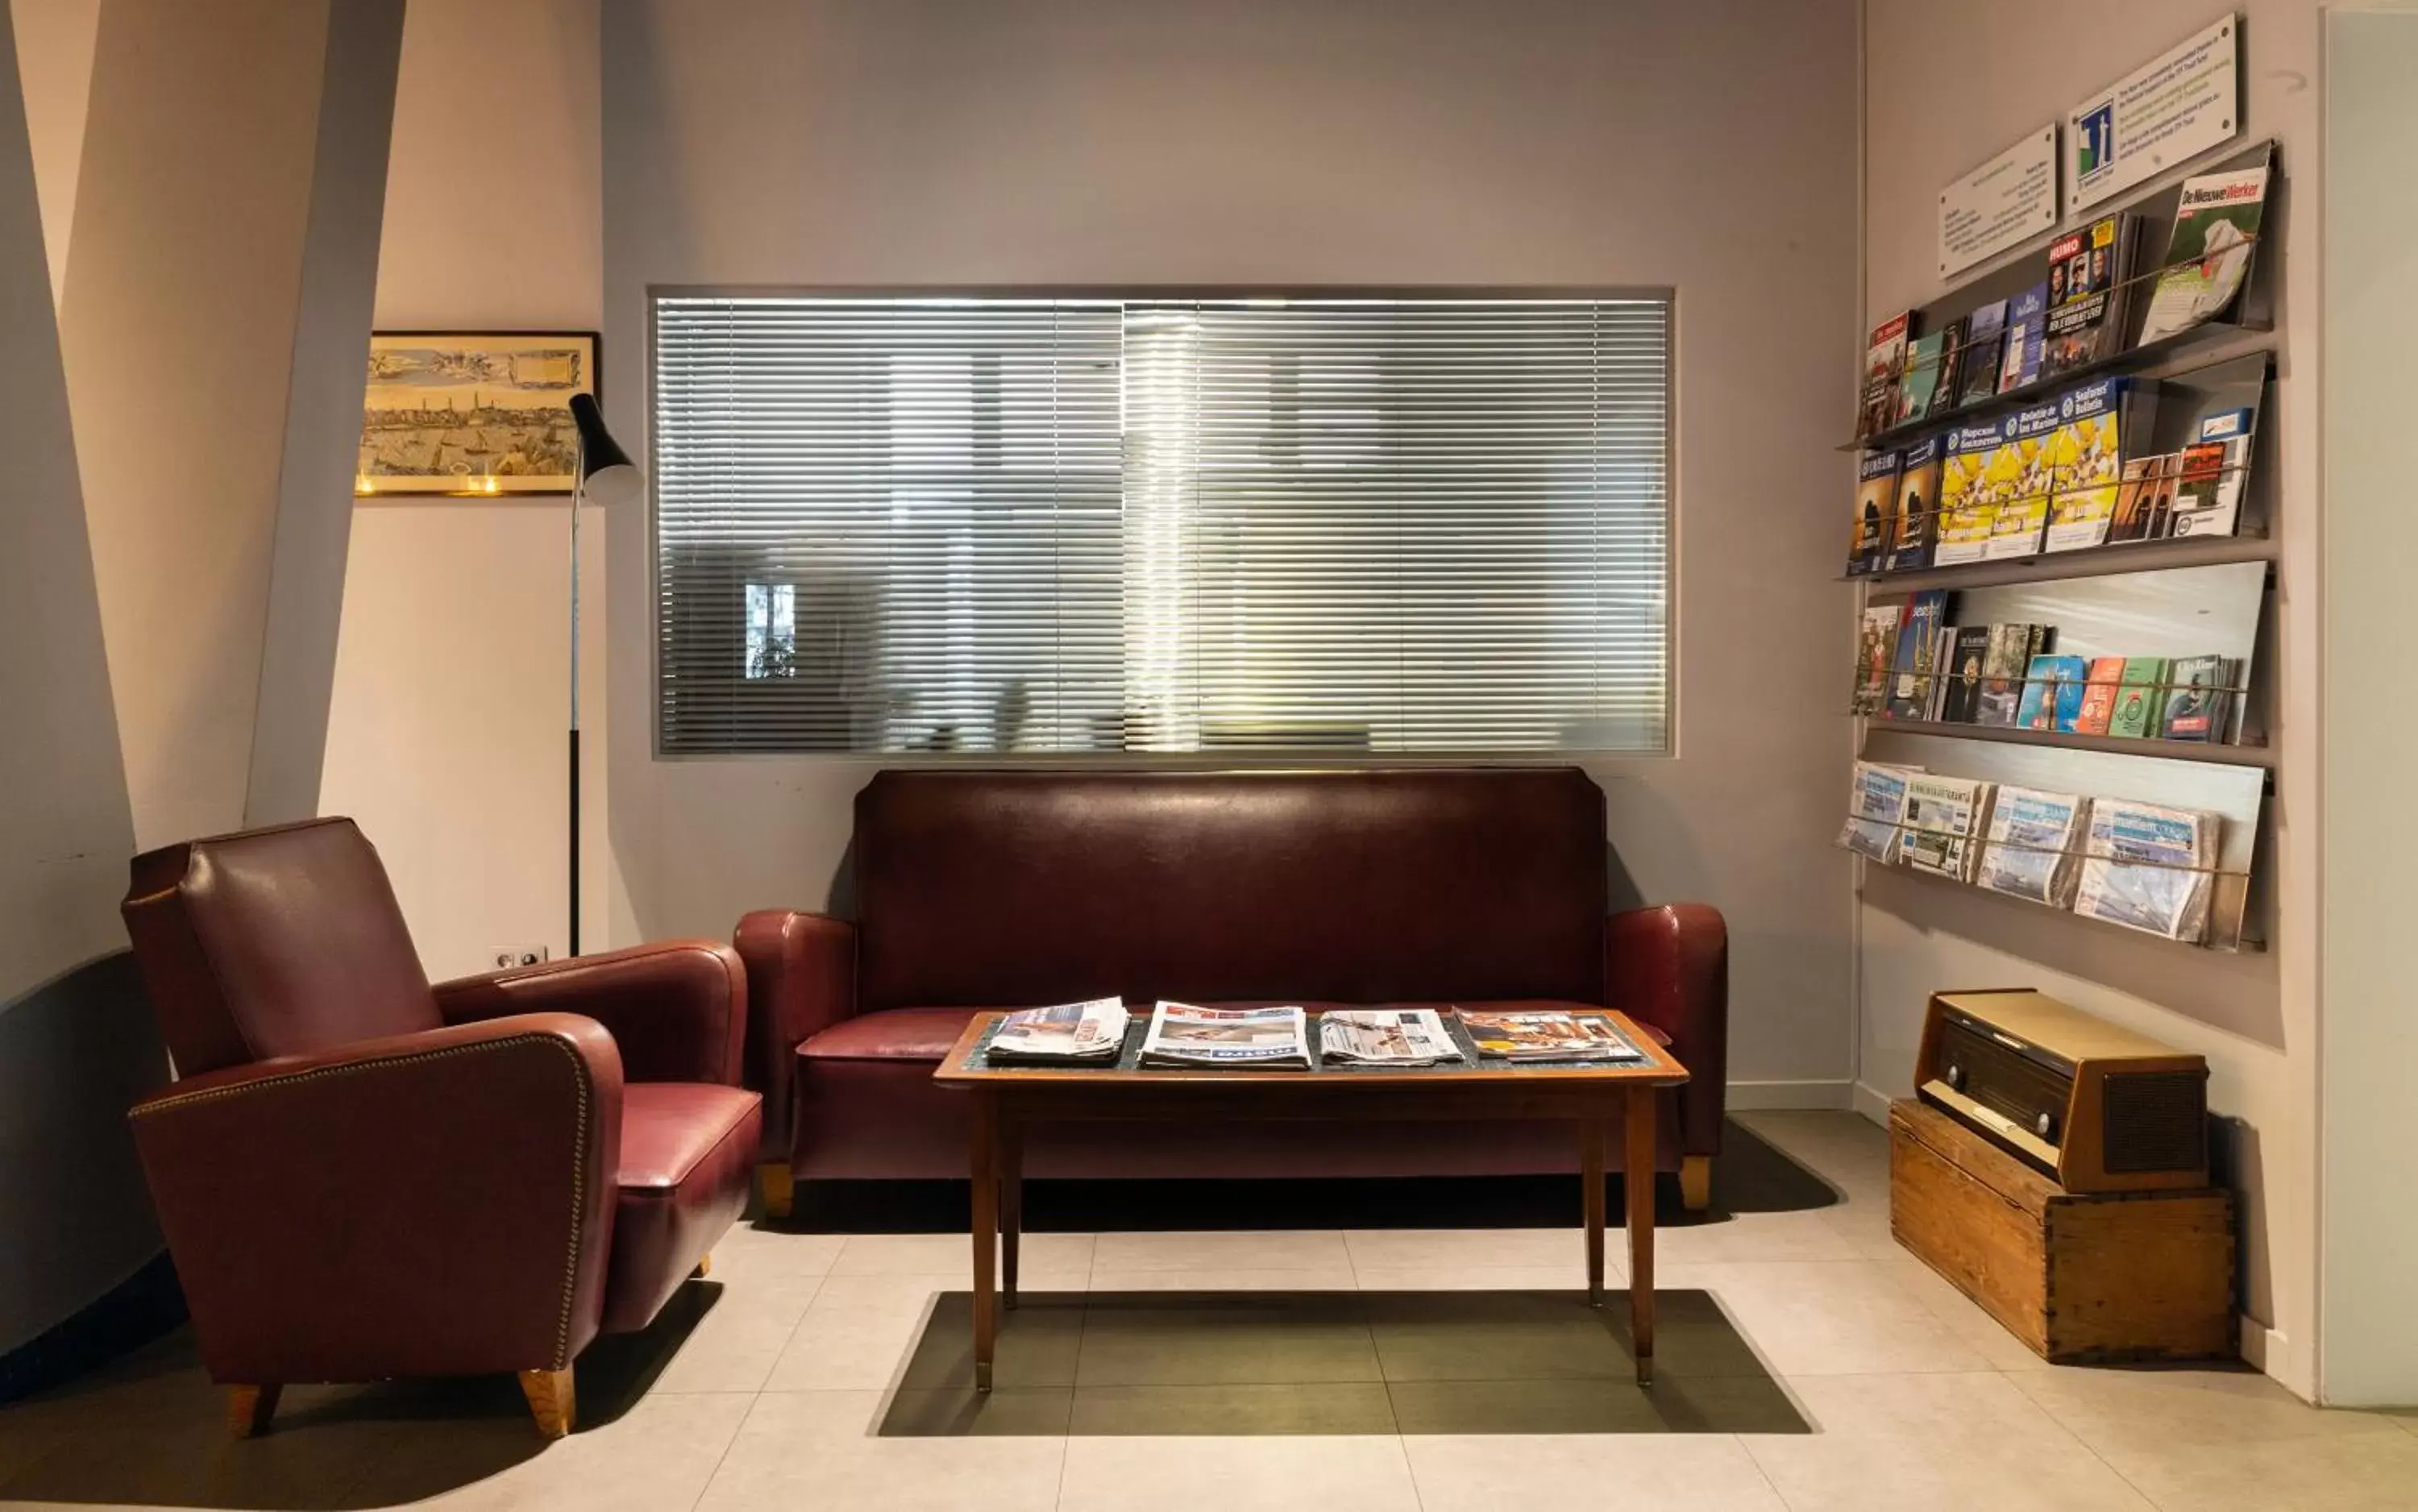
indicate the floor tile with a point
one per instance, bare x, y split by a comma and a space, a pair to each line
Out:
1338, 1278
2340, 1472
814, 1450
1037, 1345
1467, 1248
1986, 1336
748, 1252
1749, 1237
963, 1413
1843, 1148
1207, 1475
1673, 1404
733, 1345
912, 1292
2123, 1411
1225, 1340
1925, 1441
1298, 1250
845, 1350
1569, 1277
657, 1455
1831, 1317
1325, 1407
952, 1255
1702, 1474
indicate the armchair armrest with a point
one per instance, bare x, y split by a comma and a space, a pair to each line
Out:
1669, 966
801, 978
677, 1009
437, 1203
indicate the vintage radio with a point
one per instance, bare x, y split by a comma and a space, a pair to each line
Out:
2098, 1107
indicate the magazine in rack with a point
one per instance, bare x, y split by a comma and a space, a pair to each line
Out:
1248, 1038
1550, 1034
1387, 1037
1078, 1033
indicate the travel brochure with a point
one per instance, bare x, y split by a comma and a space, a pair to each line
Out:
1276, 1038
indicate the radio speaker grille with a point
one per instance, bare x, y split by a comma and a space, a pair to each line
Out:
2156, 1120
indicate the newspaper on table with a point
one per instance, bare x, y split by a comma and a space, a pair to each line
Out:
1082, 1032
1549, 1034
1945, 825
1387, 1036
1184, 1034
2035, 843
2148, 867
1875, 809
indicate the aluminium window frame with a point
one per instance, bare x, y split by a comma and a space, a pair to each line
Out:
1238, 759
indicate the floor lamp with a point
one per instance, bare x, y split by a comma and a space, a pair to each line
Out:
598, 452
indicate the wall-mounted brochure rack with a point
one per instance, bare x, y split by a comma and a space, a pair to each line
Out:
2147, 588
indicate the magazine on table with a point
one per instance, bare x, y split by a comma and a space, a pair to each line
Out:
2148, 867
1387, 1037
1184, 1034
1080, 1032
1550, 1034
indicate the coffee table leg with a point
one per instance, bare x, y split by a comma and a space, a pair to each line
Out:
986, 1236
1011, 1205
1637, 1159
1591, 1183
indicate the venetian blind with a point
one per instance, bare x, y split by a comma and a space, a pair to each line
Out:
1403, 524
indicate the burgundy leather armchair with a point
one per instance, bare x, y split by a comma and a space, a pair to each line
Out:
1006, 889
361, 1176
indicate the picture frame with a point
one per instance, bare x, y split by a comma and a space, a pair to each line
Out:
472, 414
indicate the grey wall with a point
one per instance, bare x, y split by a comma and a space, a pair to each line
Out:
1709, 146
75, 1042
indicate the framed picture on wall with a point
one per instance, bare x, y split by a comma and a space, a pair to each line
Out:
472, 414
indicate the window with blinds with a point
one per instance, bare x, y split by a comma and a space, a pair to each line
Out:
1155, 524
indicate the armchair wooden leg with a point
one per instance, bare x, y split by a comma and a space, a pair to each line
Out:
779, 1187
249, 1408
551, 1399
705, 1266
1695, 1183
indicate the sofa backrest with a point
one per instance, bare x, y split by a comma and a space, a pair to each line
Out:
1009, 887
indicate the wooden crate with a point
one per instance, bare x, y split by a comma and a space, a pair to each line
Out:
2080, 1277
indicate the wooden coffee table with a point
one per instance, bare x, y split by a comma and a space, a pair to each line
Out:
1007, 1098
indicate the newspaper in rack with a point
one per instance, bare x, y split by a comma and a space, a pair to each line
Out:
2148, 867
1387, 1037
1875, 809
1183, 1034
1083, 1032
1550, 1034
2034, 838
1945, 824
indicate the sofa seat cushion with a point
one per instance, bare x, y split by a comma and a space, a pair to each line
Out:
688, 1154
926, 1034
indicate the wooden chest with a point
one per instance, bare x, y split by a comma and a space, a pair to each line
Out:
2080, 1277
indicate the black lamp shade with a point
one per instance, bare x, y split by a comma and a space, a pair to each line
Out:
598, 450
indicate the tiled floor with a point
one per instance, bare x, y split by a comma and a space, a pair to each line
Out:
774, 1396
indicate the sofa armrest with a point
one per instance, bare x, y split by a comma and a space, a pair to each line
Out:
802, 977
427, 1204
676, 1009
1669, 966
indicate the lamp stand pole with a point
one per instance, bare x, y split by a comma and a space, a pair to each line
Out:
579, 497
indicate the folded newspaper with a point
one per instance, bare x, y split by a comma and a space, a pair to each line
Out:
1080, 1032
1945, 824
2148, 867
1876, 810
1183, 1034
1550, 1034
2035, 841
1387, 1037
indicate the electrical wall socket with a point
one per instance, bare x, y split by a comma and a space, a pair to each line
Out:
505, 957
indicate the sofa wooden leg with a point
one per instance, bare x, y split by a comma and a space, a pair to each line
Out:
249, 1408
779, 1187
705, 1266
551, 1400
1695, 1183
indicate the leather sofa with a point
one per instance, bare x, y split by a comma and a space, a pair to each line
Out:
361, 1176
1007, 889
